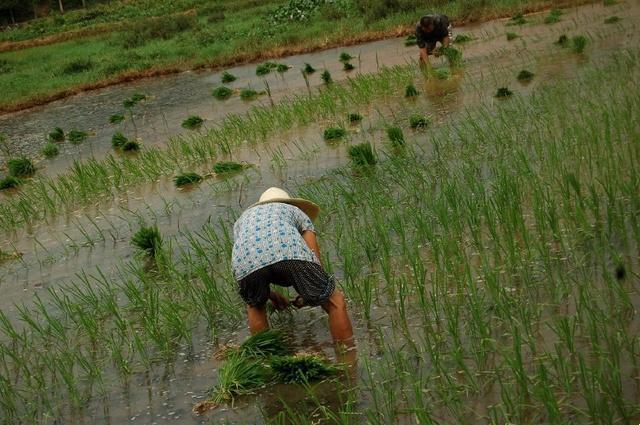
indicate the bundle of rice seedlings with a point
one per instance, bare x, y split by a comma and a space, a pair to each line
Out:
411, 40
354, 117
263, 344
453, 55
396, 136
503, 92
525, 75
147, 239
563, 40
192, 122
334, 133
326, 77
362, 155
348, 66
410, 91
282, 67
578, 43
511, 36
248, 94
50, 150
118, 140
462, 38
223, 167
186, 178
308, 69
9, 182
265, 68
518, 19
441, 73
133, 100
77, 136
57, 135
116, 118
20, 167
227, 77
131, 146
238, 376
553, 17
612, 20
418, 121
222, 93
345, 57
301, 368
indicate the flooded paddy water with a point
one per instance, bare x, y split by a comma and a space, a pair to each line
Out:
94, 241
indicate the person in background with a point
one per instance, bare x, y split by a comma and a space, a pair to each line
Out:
430, 30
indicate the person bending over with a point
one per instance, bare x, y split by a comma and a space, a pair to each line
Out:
430, 30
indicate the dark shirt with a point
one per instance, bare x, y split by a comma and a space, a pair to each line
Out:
439, 32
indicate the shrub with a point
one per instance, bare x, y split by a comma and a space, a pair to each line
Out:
563, 40
118, 140
503, 92
453, 55
77, 136
511, 36
248, 94
418, 121
525, 75
227, 77
222, 93
345, 57
9, 182
57, 135
578, 43
223, 167
192, 122
553, 17
282, 67
308, 69
147, 239
20, 167
50, 150
300, 368
186, 178
354, 117
612, 20
348, 66
77, 66
462, 38
410, 91
116, 118
326, 77
441, 73
362, 154
411, 40
334, 133
396, 136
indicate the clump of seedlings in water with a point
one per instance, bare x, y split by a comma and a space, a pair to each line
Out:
186, 179
20, 167
517, 19
9, 182
301, 368
248, 94
222, 93
578, 43
411, 40
354, 118
148, 240
192, 123
410, 91
265, 68
120, 141
225, 167
453, 55
511, 36
362, 155
116, 118
263, 344
553, 16
50, 150
308, 69
238, 376
227, 77
525, 75
134, 100
462, 38
282, 67
442, 73
77, 136
417, 121
611, 20
57, 135
326, 76
348, 66
503, 92
345, 57
334, 133
396, 136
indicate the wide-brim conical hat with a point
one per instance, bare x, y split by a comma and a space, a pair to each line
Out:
275, 194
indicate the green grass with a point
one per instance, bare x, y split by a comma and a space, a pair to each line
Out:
186, 179
20, 167
525, 75
395, 136
57, 135
362, 155
579, 43
193, 122
553, 16
76, 136
50, 150
222, 93
410, 91
148, 240
334, 133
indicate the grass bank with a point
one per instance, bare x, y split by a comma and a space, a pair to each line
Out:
125, 44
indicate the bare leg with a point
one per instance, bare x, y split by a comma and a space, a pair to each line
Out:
257, 318
339, 323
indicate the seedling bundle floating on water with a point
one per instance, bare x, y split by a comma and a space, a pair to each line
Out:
281, 67
238, 375
517, 19
411, 40
50, 150
326, 77
354, 117
116, 118
503, 92
511, 36
133, 100
301, 368
410, 91
462, 38
525, 75
57, 135
362, 154
453, 55
147, 239
308, 69
20, 167
334, 133
224, 167
442, 73
396, 136
9, 182
578, 43
192, 122
348, 66
222, 93
77, 136
248, 94
265, 68
553, 17
120, 141
418, 121
227, 77
612, 20
345, 57
186, 178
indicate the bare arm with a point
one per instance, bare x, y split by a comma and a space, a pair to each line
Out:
311, 241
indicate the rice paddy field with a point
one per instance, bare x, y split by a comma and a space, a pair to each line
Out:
482, 218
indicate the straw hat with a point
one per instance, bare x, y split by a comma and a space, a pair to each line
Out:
275, 194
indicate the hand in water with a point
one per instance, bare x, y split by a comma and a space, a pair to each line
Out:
279, 301
298, 302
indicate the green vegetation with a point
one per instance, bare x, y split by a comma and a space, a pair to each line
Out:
50, 150
411, 40
20, 167
226, 167
553, 16
192, 122
77, 66
453, 55
578, 43
116, 118
57, 135
238, 376
227, 77
395, 136
148, 240
133, 100
442, 73
348, 66
248, 94
517, 19
308, 69
345, 57
410, 91
326, 77
9, 182
266, 68
512, 36
354, 117
77, 136
130, 146
503, 92
334, 133
418, 121
222, 93
462, 38
525, 75
362, 155
563, 40
301, 368
118, 140
186, 179
282, 67
612, 20
263, 344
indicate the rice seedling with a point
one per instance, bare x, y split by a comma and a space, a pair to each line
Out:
301, 368
517, 19
503, 92
362, 155
410, 91
265, 68
131, 146
222, 93
227, 77
334, 133
118, 140
50, 150
345, 57
20, 167
263, 344
57, 135
226, 167
578, 43
442, 73
553, 16
9, 182
248, 94
326, 77
148, 240
525, 75
282, 67
186, 179
511, 36
462, 38
238, 376
411, 40
133, 100
192, 122
453, 55
612, 20
77, 136
308, 69
116, 118
348, 66
354, 117
418, 121
562, 41
395, 136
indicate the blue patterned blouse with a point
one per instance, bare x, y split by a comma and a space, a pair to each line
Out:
269, 233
